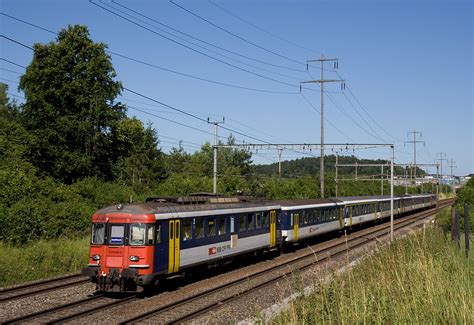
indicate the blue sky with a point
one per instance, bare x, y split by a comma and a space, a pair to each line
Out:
407, 63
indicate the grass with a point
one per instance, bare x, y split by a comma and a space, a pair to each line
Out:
41, 259
418, 279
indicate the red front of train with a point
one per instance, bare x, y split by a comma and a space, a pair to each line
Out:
122, 250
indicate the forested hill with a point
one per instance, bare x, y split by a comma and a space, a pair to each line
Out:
310, 166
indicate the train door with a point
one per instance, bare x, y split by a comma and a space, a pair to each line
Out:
173, 245
296, 225
161, 247
272, 228
350, 216
341, 218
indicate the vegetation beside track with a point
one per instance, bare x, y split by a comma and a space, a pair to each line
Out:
41, 259
421, 279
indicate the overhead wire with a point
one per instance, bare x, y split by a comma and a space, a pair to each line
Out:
235, 35
261, 29
206, 42
195, 50
197, 45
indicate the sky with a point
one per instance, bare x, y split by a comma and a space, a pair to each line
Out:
407, 65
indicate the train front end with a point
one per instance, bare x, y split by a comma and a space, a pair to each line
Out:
122, 249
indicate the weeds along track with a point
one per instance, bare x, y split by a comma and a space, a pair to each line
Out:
38, 287
192, 306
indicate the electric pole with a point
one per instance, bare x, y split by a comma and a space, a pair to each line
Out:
322, 81
216, 142
280, 150
440, 159
414, 132
451, 165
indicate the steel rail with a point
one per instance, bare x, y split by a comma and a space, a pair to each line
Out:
41, 287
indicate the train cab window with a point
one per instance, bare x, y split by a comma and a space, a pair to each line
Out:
187, 229
250, 221
211, 227
258, 221
265, 219
150, 235
98, 233
117, 233
222, 228
137, 234
198, 228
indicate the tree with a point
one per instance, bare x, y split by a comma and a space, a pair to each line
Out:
70, 91
140, 162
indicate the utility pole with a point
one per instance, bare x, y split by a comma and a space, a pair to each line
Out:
280, 150
322, 81
440, 159
414, 132
216, 142
451, 165
337, 161
391, 191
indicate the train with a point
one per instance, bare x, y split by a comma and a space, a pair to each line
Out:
135, 246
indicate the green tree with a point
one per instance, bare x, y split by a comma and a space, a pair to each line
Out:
140, 163
70, 91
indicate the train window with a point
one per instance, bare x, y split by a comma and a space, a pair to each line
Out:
117, 233
158, 233
211, 227
258, 221
187, 229
232, 227
250, 221
222, 229
137, 234
306, 216
198, 228
98, 233
266, 219
150, 238
291, 220
241, 223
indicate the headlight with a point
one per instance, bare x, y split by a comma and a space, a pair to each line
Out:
134, 258
96, 257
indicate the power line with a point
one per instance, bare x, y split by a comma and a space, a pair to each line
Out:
157, 66
14, 41
235, 35
11, 71
195, 50
197, 45
261, 29
200, 78
205, 42
11, 62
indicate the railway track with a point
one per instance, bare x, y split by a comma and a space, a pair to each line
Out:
35, 288
190, 307
73, 310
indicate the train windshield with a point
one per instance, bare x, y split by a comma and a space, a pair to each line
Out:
117, 232
137, 234
98, 233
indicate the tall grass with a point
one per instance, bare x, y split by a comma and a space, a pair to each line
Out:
41, 259
419, 279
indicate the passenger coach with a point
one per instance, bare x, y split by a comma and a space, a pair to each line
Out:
138, 244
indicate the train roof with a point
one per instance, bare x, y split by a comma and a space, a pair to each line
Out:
164, 210
306, 203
